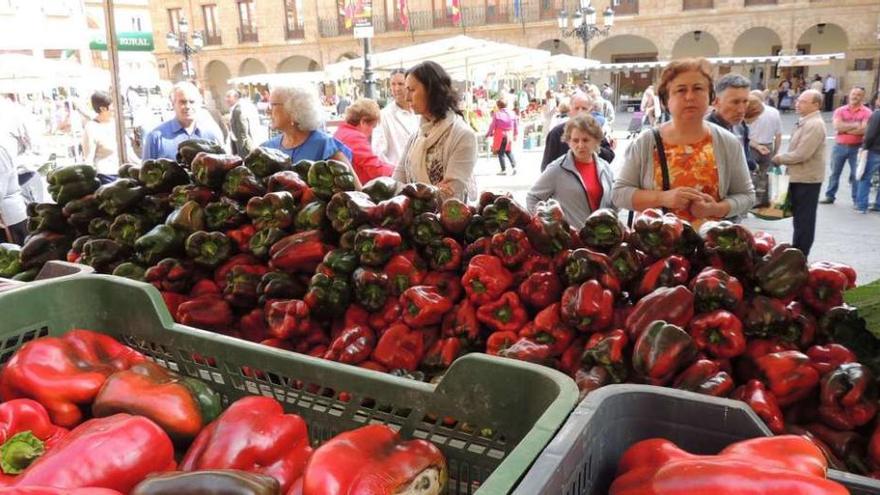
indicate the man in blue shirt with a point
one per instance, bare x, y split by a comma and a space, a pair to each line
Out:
189, 122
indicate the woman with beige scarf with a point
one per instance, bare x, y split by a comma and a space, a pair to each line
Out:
444, 150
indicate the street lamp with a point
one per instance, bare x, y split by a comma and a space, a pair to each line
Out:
178, 43
584, 25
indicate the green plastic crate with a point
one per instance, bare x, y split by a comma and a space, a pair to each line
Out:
505, 411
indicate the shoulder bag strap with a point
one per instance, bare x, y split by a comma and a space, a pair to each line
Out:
661, 154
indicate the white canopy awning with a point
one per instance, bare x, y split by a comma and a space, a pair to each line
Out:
461, 57
282, 78
783, 61
26, 73
554, 64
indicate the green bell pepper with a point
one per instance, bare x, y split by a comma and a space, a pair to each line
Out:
120, 196
100, 227
330, 177
381, 188
103, 254
162, 175
160, 242
261, 241
130, 270
187, 150
312, 216
80, 212
188, 218
43, 247
126, 229
275, 209
224, 214
241, 183
327, 296
264, 162
10, 259
45, 216
208, 248
73, 182
155, 208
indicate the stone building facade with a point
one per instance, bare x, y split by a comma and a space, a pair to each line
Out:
248, 37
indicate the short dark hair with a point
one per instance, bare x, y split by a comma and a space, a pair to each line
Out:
101, 99
501, 103
732, 80
442, 97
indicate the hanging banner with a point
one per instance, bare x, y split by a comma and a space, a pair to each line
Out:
363, 19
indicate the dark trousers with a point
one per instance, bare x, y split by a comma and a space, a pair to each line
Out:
18, 231
502, 152
804, 202
759, 176
829, 100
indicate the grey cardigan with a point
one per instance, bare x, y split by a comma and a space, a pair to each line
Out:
734, 182
561, 181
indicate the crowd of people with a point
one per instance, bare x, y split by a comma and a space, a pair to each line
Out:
706, 152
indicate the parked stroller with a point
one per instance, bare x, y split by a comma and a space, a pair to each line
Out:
635, 125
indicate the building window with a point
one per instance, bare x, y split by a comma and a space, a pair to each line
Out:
212, 34
626, 7
751, 3
293, 11
392, 15
442, 13
698, 4
136, 25
247, 31
864, 64
173, 20
496, 11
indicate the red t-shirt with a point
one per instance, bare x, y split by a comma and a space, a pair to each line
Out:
590, 179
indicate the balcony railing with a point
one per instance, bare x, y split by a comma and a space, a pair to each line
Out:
697, 4
212, 38
248, 35
752, 3
297, 32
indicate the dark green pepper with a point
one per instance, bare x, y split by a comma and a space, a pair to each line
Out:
210, 169
729, 245
476, 229
188, 218
100, 227
126, 229
76, 249
69, 183
130, 270
602, 230
782, 272
264, 162
381, 188
26, 275
224, 214
208, 248
375, 247
371, 288
261, 241
275, 209
330, 177
187, 150
350, 209
103, 254
661, 351
129, 171
191, 192
155, 208
10, 259
160, 242
279, 285
302, 168
341, 261
80, 212
426, 229
45, 216
119, 196
161, 175
327, 296
241, 183
312, 216
548, 231
424, 198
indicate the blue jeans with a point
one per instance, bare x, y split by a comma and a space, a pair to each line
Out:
841, 154
864, 185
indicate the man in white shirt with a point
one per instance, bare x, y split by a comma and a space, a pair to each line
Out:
13, 212
765, 139
397, 124
830, 89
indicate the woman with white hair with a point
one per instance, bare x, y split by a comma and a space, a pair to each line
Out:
296, 113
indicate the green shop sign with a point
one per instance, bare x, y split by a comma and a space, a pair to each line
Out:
126, 42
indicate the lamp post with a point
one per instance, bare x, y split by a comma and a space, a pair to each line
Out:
583, 24
178, 43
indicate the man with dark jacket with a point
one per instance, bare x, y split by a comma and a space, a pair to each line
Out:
731, 101
554, 147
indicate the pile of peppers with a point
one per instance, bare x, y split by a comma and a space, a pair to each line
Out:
391, 278
72, 404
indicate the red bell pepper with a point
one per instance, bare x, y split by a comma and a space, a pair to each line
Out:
728, 245
512, 246
607, 350
371, 288
548, 230
764, 242
570, 361
400, 348
448, 284
444, 255
658, 234
842, 268
383, 318
626, 261
503, 315
705, 377
204, 287
849, 446
26, 433
548, 328
352, 346
242, 285
288, 318
540, 289
375, 247
252, 326
116, 452
483, 245
209, 312
64, 374
719, 333
172, 275
848, 397
827, 358
180, 405
46, 490
765, 317
455, 215
374, 459
300, 252
763, 402
242, 236
253, 435
577, 266
715, 289
498, 342
788, 464
525, 349
422, 306
788, 375
486, 279
443, 353
803, 327
588, 380
666, 272
404, 270
824, 288
674, 305
588, 307
462, 322
661, 351
173, 301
